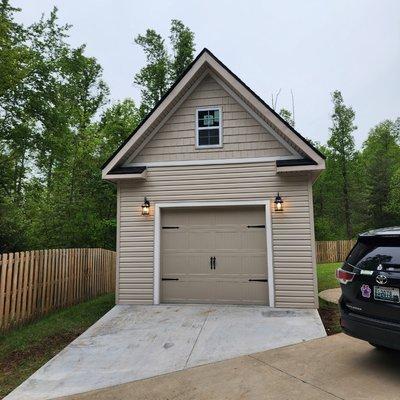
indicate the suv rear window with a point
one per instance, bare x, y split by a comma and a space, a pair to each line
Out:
370, 252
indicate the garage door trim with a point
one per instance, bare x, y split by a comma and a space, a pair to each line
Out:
157, 237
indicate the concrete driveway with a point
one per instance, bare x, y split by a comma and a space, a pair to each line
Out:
336, 367
136, 342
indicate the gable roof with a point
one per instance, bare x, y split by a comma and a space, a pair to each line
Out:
207, 59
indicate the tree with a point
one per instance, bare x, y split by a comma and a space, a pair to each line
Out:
287, 116
182, 40
162, 69
341, 146
393, 200
381, 160
154, 77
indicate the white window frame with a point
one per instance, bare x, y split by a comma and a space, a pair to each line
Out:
211, 146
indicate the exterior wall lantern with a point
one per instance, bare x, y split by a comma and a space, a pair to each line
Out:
278, 203
145, 207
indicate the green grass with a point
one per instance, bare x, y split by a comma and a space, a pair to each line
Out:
326, 276
24, 350
329, 312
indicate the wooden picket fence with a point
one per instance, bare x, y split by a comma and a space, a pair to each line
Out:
33, 283
333, 250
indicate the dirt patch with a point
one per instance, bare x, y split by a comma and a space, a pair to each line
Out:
52, 344
330, 317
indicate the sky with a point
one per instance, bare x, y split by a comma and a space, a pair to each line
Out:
308, 47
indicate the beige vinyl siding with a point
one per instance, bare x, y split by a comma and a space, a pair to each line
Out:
242, 135
291, 229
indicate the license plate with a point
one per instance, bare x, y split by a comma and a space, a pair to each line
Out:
386, 294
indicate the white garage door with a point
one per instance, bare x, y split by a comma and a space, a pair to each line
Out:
214, 255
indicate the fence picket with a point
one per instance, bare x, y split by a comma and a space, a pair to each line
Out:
33, 283
333, 251
3, 279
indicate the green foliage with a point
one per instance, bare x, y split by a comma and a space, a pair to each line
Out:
56, 132
24, 350
342, 153
359, 190
182, 40
393, 201
154, 77
381, 160
52, 143
287, 116
162, 69
327, 276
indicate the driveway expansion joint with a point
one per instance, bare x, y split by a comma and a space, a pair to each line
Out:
197, 338
295, 377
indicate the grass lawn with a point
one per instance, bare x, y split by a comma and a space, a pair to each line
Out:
329, 312
326, 276
24, 350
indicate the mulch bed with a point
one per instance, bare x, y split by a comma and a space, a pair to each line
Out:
330, 317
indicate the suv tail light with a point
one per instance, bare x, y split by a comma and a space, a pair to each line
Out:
344, 276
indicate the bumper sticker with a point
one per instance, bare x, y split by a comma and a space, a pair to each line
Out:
366, 291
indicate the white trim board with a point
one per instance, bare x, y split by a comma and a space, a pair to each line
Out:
211, 162
157, 238
198, 129
246, 107
167, 117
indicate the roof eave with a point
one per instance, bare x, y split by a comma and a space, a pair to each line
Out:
206, 57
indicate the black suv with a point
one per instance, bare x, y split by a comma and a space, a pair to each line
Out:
370, 282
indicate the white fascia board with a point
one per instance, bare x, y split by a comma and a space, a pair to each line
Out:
262, 109
166, 118
212, 162
117, 177
156, 114
246, 107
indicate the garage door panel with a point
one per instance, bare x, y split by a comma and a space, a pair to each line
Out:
254, 239
201, 240
242, 292
188, 263
235, 236
174, 240
194, 291
226, 240
255, 264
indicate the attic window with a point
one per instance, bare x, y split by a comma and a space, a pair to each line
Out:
208, 127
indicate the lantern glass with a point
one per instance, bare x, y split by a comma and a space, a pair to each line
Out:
278, 203
146, 207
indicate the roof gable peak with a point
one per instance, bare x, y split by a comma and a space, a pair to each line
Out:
205, 62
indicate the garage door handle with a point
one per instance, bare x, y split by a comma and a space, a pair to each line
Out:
212, 262
258, 280
170, 279
256, 226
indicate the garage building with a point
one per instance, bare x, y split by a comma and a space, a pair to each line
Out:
215, 199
